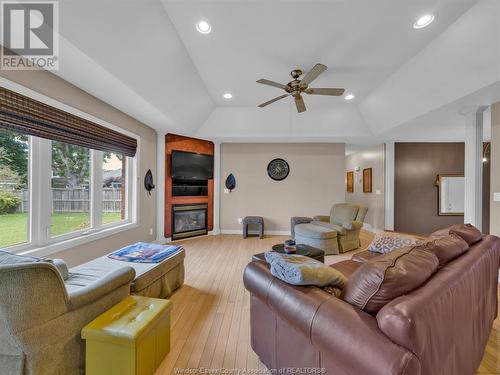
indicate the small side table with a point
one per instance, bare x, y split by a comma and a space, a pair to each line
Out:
305, 250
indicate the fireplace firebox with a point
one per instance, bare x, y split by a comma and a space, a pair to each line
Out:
189, 220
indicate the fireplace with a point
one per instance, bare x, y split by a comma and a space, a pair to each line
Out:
189, 220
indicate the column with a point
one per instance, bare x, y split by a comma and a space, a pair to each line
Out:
495, 170
389, 185
159, 181
217, 182
474, 167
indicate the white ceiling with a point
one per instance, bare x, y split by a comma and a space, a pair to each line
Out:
147, 59
362, 42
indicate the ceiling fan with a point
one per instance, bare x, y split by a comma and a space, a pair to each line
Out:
299, 86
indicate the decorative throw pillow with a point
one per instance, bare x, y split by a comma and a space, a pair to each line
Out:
380, 280
385, 242
446, 248
301, 270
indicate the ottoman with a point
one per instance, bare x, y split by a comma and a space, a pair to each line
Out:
323, 238
131, 338
296, 220
157, 280
253, 220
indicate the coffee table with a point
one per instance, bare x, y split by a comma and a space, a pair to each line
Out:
305, 250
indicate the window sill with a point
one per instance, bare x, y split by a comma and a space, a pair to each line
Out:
77, 241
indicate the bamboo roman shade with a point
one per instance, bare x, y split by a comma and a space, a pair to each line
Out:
25, 115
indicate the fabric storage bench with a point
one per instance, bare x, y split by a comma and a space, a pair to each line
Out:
157, 280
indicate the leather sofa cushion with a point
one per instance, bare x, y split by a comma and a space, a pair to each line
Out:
446, 248
466, 231
388, 276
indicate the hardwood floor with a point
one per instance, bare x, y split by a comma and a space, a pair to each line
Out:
210, 317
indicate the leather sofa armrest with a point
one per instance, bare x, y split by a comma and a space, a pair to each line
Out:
107, 284
295, 304
322, 218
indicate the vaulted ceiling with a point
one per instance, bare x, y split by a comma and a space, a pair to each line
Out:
147, 59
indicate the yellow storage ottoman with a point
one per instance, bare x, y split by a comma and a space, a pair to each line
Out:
131, 338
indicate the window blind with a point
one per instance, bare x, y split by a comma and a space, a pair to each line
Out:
25, 115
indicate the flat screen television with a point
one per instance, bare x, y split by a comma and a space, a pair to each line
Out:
191, 166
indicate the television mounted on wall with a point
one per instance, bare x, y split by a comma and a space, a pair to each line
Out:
191, 166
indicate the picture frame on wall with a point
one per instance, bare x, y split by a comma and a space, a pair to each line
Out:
350, 182
367, 180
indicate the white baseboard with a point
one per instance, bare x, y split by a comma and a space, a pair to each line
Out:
269, 232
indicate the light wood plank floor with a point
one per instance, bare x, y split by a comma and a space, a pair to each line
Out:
210, 317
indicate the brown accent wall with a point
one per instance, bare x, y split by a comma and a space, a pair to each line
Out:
415, 196
181, 143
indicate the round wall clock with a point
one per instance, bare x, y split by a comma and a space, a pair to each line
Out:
278, 169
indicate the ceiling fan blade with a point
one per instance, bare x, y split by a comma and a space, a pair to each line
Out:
271, 83
313, 74
299, 103
273, 100
326, 91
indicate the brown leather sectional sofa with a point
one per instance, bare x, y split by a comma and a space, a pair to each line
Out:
441, 327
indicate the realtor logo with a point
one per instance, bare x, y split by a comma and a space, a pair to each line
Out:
29, 35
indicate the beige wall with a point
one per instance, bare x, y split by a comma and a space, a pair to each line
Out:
371, 157
315, 182
53, 86
495, 168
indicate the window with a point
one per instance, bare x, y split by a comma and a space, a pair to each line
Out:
70, 180
113, 188
14, 194
51, 191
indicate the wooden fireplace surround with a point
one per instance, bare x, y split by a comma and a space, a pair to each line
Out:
182, 143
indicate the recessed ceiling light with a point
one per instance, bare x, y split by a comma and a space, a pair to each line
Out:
349, 97
228, 95
423, 21
203, 27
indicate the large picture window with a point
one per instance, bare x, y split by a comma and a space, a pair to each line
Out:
65, 176
52, 191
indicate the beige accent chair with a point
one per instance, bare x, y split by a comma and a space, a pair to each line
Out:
346, 219
43, 309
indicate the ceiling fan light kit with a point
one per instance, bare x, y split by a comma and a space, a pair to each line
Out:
297, 87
